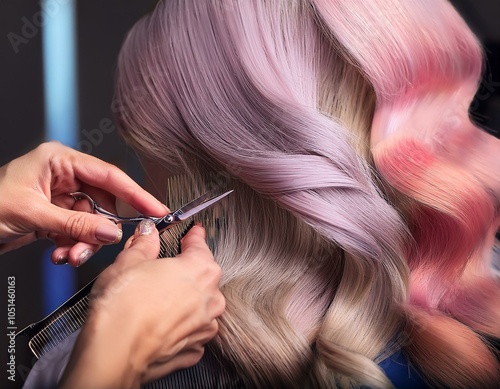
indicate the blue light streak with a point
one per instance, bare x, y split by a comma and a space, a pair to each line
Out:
61, 117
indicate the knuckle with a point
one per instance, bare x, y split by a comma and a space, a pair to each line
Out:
190, 360
49, 146
221, 307
214, 328
205, 317
210, 275
54, 237
217, 269
196, 356
217, 305
77, 226
216, 272
137, 252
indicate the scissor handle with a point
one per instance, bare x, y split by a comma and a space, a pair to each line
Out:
110, 215
119, 219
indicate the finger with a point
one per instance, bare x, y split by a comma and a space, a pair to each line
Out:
182, 360
69, 251
202, 335
128, 243
195, 242
81, 205
104, 199
78, 226
60, 255
103, 175
59, 240
195, 248
81, 252
144, 245
217, 304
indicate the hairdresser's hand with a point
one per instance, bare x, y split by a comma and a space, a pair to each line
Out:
147, 317
34, 201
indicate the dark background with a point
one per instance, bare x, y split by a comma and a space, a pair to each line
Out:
100, 32
101, 28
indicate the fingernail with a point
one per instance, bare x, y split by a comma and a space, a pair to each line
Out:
146, 227
108, 233
61, 260
84, 256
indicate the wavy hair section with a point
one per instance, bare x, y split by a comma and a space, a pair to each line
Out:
424, 65
283, 98
233, 86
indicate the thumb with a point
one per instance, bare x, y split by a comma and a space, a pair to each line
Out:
76, 225
145, 244
194, 243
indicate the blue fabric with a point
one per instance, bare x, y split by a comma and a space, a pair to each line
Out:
401, 373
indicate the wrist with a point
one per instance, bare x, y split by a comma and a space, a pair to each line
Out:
104, 357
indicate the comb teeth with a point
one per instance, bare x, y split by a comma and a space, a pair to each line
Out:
47, 333
170, 239
69, 317
59, 327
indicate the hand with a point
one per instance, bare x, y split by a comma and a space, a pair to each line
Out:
34, 201
147, 317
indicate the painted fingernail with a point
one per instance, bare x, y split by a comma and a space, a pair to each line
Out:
108, 233
61, 260
146, 227
84, 256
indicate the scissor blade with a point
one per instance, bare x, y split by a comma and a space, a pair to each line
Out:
187, 207
186, 211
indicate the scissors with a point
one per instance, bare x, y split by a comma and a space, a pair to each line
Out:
162, 223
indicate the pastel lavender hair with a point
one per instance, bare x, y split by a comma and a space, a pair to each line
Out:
274, 94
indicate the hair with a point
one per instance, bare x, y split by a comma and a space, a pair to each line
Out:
283, 98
